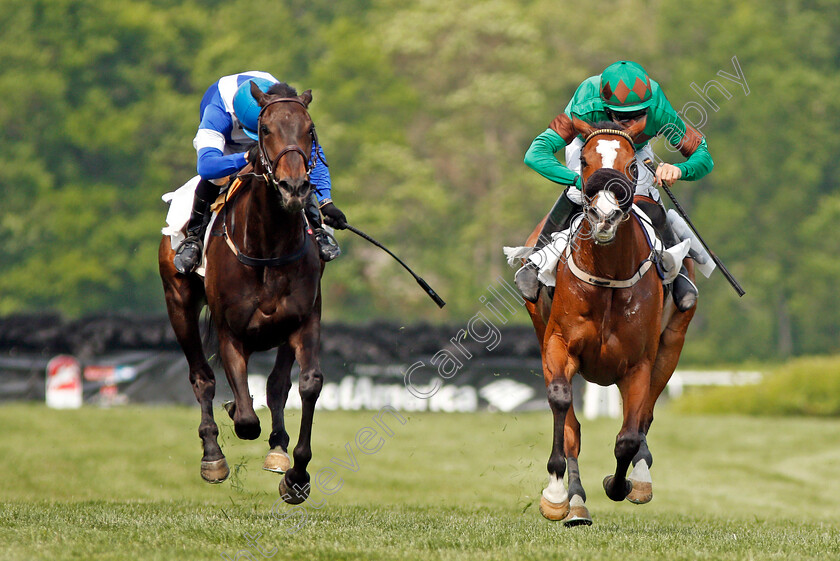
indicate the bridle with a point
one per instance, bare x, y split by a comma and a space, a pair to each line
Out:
270, 165
569, 253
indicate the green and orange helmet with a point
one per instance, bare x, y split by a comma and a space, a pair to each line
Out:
625, 87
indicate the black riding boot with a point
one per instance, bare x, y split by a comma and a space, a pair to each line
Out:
327, 246
188, 255
558, 220
684, 291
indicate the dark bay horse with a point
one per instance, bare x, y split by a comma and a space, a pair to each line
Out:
263, 289
609, 322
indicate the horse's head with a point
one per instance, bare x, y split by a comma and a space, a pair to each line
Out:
608, 174
607, 197
286, 140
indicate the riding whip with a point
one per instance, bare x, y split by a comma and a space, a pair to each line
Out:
649, 164
423, 284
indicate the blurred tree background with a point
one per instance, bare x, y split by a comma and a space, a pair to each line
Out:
425, 110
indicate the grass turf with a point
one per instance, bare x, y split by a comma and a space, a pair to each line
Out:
123, 484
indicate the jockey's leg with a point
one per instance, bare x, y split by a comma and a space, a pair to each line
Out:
188, 255
558, 220
684, 291
327, 246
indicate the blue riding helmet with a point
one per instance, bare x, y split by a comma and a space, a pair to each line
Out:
246, 108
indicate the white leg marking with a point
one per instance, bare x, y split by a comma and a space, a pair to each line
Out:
556, 490
641, 472
608, 149
576, 501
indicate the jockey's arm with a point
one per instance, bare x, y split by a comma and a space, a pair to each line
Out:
688, 141
210, 142
320, 176
540, 158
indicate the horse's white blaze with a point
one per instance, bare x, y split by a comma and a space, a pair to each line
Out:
606, 203
608, 149
641, 472
556, 490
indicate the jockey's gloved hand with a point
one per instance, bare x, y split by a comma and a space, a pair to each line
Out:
333, 216
253, 153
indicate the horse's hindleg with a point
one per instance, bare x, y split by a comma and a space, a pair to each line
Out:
184, 297
246, 424
634, 389
558, 369
578, 513
294, 487
277, 391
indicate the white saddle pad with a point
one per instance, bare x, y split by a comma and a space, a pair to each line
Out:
180, 206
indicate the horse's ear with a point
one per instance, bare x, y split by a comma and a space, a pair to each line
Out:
306, 97
582, 127
636, 128
258, 94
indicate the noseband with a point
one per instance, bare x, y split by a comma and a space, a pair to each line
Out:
270, 165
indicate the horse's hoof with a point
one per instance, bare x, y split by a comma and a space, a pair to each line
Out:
578, 513
215, 471
554, 511
247, 428
642, 492
293, 494
642, 484
277, 460
615, 492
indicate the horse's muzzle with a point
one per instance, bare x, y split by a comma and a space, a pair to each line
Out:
294, 193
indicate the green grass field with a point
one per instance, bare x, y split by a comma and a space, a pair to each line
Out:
124, 484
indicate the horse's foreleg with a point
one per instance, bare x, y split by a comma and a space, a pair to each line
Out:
558, 369
634, 389
294, 487
278, 386
578, 513
246, 424
670, 346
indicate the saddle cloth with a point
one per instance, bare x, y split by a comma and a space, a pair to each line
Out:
547, 258
180, 207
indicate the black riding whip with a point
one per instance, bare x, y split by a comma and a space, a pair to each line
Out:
423, 284
649, 164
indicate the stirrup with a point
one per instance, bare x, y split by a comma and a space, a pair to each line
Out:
327, 245
188, 255
527, 282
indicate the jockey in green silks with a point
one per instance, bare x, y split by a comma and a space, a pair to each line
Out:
624, 94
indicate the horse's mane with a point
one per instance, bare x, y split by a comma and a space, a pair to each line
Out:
282, 89
608, 179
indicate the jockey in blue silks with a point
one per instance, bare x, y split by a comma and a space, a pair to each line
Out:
226, 143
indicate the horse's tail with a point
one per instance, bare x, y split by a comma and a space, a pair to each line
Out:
210, 340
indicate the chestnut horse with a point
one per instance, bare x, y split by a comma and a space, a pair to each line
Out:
263, 288
627, 334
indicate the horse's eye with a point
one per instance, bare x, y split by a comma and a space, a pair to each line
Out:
634, 170
264, 129
582, 162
